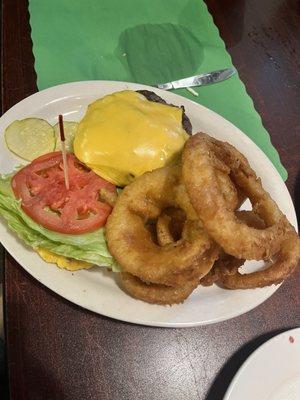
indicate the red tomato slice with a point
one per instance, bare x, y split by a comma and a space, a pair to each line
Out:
41, 187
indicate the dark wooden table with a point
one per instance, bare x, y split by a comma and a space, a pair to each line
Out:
56, 350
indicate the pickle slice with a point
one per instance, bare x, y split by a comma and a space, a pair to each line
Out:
30, 138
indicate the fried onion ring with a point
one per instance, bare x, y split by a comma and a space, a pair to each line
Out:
229, 191
169, 226
108, 197
224, 266
131, 243
201, 268
170, 223
202, 157
283, 265
155, 293
250, 218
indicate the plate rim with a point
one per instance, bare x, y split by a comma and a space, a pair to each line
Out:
177, 324
254, 354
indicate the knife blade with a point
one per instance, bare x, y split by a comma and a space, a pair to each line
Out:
199, 80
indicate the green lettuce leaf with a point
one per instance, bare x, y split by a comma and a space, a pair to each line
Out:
90, 247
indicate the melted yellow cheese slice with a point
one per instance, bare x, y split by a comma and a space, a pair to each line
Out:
123, 135
62, 262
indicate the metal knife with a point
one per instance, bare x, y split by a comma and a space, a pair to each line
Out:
199, 80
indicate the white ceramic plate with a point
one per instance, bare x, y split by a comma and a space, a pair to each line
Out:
272, 372
97, 290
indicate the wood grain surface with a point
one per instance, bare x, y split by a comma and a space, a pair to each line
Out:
57, 350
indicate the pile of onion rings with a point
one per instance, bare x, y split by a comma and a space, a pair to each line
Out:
177, 227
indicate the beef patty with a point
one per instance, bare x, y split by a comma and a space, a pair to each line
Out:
151, 96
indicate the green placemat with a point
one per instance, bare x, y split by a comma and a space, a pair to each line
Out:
141, 41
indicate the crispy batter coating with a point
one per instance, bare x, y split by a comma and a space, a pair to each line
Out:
283, 265
170, 223
108, 196
228, 190
131, 243
169, 226
196, 272
226, 264
155, 293
202, 157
